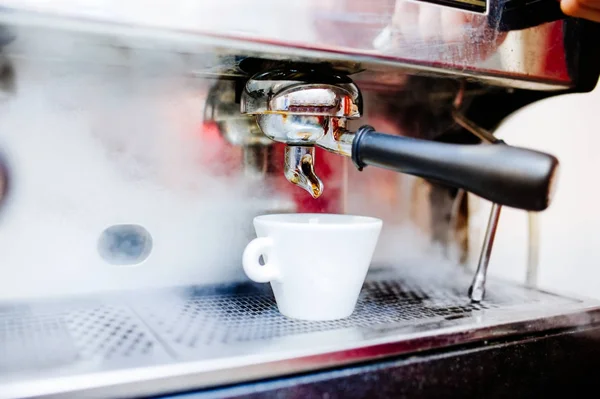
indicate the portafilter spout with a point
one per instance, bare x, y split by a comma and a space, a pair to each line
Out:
304, 109
299, 169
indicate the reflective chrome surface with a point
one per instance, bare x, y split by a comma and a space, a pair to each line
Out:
293, 91
294, 129
221, 107
238, 129
299, 169
303, 110
373, 36
478, 286
118, 113
159, 342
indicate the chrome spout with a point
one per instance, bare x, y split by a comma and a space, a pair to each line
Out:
299, 169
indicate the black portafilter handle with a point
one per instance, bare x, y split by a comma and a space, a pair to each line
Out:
511, 176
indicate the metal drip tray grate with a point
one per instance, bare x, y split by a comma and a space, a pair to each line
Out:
207, 320
108, 332
34, 341
232, 324
51, 336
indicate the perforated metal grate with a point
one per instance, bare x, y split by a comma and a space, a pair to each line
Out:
205, 320
108, 332
53, 336
202, 323
29, 340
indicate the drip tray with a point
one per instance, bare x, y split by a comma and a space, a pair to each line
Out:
148, 343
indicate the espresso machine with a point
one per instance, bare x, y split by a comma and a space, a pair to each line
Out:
138, 140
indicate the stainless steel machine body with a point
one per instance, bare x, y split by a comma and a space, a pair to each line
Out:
132, 176
165, 342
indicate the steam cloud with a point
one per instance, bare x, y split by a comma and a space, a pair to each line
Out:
93, 145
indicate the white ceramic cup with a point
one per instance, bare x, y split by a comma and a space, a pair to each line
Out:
316, 263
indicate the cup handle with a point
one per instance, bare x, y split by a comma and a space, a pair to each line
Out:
254, 270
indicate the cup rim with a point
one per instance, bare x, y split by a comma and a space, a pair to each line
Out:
359, 220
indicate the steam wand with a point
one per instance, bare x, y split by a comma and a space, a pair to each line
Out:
477, 289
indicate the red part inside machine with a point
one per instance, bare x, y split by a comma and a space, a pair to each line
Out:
328, 166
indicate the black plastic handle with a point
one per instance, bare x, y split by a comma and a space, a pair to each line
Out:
509, 15
506, 175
